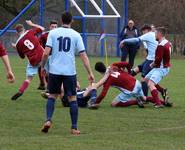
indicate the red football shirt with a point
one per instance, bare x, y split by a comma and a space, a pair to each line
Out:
163, 54
43, 39
121, 80
28, 45
2, 50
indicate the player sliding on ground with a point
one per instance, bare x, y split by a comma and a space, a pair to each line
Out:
131, 90
4, 56
64, 42
161, 66
28, 45
43, 39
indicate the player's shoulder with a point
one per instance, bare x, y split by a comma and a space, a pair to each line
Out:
164, 42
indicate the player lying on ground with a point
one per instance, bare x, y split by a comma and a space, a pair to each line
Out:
28, 45
64, 42
3, 54
131, 90
83, 96
161, 65
43, 39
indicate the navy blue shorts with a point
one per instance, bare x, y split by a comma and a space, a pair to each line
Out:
69, 84
145, 68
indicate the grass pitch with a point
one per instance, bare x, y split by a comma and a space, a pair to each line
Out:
104, 129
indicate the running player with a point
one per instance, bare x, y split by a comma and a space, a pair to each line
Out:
43, 40
28, 45
161, 65
4, 56
63, 42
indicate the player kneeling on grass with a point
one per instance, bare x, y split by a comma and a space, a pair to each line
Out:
5, 59
116, 76
131, 89
161, 65
28, 45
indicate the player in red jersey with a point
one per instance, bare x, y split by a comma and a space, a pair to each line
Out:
161, 66
3, 54
43, 39
28, 46
131, 89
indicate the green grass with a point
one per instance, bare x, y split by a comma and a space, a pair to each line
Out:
105, 129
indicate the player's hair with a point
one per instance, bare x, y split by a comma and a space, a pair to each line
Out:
19, 28
162, 30
53, 22
146, 27
100, 67
67, 18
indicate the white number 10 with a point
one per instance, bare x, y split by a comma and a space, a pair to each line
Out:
29, 44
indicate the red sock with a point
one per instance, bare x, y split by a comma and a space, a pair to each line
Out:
41, 78
24, 86
156, 97
150, 99
126, 104
159, 88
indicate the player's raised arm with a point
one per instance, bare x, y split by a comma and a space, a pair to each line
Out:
30, 23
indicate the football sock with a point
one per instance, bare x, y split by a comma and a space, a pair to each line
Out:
159, 88
93, 95
24, 86
41, 78
126, 104
50, 107
145, 88
74, 113
150, 99
156, 96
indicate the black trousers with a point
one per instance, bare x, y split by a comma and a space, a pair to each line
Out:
130, 51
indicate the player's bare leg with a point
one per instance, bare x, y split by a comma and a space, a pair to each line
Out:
23, 87
135, 71
42, 80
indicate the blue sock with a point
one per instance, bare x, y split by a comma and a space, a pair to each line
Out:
93, 95
50, 107
74, 114
145, 88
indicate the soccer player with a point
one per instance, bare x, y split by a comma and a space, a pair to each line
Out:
28, 45
149, 39
63, 42
161, 65
43, 40
131, 91
3, 54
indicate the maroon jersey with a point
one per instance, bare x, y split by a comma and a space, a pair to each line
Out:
163, 54
122, 66
28, 45
121, 80
2, 50
43, 39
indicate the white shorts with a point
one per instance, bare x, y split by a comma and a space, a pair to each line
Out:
31, 70
127, 95
156, 74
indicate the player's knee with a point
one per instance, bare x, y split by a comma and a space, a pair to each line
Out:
114, 104
54, 96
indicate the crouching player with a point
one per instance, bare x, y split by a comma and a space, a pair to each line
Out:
115, 76
5, 59
161, 66
28, 45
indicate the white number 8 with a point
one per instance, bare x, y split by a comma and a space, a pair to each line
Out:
29, 44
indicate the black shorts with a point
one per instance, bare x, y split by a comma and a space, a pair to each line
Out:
69, 84
145, 68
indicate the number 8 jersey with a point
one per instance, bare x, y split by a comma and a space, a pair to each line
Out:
28, 45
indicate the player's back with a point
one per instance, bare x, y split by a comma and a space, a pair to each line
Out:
151, 44
64, 42
122, 80
28, 44
43, 39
